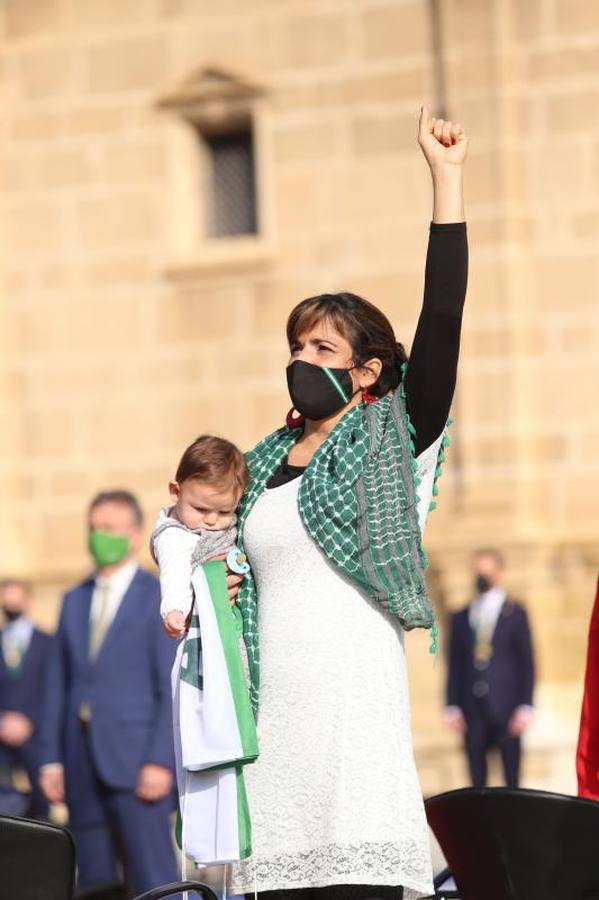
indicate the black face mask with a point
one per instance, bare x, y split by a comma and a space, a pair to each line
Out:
317, 391
482, 584
11, 615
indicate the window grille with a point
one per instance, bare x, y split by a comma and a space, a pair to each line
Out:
231, 191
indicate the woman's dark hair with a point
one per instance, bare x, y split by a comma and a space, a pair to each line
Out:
367, 329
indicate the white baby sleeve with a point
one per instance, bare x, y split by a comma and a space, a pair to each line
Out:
173, 549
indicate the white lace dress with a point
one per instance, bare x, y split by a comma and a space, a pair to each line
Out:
334, 797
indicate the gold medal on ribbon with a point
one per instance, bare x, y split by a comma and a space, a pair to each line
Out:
483, 646
483, 650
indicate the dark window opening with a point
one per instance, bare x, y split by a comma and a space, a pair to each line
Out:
231, 184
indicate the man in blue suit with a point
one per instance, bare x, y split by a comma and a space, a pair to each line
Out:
24, 655
107, 745
490, 673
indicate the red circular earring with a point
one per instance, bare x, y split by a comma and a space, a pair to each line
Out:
292, 422
367, 397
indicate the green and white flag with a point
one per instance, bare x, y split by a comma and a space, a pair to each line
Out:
214, 727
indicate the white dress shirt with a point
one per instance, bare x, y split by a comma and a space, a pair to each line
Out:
485, 610
16, 637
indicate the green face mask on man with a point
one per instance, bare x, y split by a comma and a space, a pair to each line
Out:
108, 549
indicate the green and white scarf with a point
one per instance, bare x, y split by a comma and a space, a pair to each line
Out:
358, 500
214, 727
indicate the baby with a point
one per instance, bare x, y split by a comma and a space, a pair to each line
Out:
200, 525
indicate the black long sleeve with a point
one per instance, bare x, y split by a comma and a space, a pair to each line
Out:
431, 374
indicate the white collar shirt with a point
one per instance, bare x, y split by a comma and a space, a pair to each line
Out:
16, 636
486, 609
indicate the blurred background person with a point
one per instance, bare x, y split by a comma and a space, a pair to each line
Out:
107, 745
490, 676
24, 655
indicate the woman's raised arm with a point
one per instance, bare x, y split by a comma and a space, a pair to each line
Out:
431, 374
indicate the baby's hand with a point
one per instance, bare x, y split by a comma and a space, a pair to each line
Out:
174, 624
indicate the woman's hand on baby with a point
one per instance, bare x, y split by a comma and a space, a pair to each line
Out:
233, 581
233, 585
174, 624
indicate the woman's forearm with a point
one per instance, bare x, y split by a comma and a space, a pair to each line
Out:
448, 194
445, 146
431, 374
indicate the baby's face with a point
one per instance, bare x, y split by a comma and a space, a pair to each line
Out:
201, 505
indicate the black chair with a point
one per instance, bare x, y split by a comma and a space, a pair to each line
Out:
202, 890
114, 890
441, 892
37, 860
505, 844
117, 891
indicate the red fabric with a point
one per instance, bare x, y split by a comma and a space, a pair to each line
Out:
587, 754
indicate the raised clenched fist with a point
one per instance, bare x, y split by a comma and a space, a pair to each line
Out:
442, 142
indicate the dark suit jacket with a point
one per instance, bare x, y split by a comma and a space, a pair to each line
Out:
127, 686
23, 691
509, 675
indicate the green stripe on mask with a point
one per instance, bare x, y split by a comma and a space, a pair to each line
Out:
336, 384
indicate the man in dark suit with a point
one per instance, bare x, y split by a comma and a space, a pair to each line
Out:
491, 673
24, 654
107, 744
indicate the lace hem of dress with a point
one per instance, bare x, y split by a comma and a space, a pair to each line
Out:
406, 864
